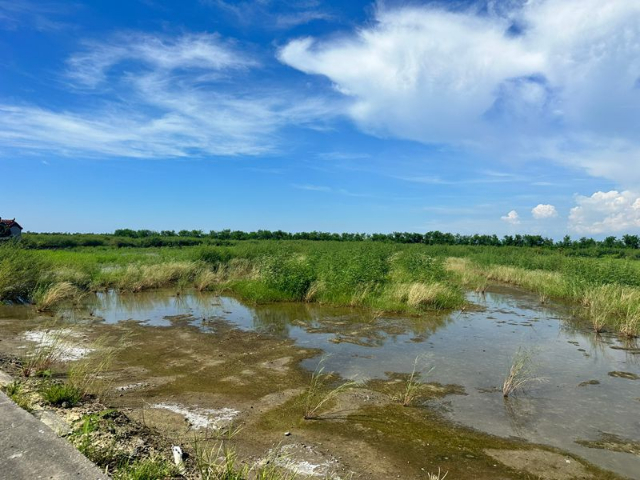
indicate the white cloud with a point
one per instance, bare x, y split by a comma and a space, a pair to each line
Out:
270, 14
206, 53
176, 96
39, 15
544, 211
606, 212
565, 88
512, 218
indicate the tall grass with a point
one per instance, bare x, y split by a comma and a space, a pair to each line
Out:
380, 276
53, 295
21, 271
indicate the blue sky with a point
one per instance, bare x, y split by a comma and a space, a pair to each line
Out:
471, 117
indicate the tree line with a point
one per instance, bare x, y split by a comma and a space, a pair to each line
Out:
151, 238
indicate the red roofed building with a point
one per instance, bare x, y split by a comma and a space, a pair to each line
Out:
9, 228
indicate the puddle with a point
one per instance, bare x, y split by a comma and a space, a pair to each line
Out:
589, 388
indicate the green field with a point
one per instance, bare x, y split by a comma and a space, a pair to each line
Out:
383, 276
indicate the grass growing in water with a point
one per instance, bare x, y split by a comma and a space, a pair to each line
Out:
318, 392
50, 296
520, 374
380, 276
413, 383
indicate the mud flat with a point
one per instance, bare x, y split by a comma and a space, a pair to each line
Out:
201, 366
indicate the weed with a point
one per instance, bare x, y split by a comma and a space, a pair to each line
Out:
413, 384
152, 468
15, 392
520, 373
318, 393
20, 272
61, 394
46, 352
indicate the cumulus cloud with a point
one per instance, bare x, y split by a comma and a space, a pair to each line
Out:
176, 96
605, 212
544, 211
556, 79
512, 218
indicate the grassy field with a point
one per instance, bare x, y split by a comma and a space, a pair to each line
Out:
385, 277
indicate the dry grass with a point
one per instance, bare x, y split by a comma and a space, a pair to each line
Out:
421, 296
437, 476
87, 375
205, 280
314, 290
55, 295
45, 354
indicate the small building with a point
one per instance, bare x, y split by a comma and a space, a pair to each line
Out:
9, 228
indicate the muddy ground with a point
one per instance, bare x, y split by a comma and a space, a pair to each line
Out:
183, 384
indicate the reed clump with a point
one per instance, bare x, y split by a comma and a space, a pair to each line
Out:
53, 295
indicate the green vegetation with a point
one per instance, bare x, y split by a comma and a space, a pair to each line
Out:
152, 468
520, 373
319, 392
61, 394
413, 384
15, 392
384, 276
628, 245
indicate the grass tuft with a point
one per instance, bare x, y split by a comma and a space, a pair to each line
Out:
520, 374
61, 394
55, 294
318, 392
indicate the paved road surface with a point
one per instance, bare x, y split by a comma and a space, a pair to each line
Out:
30, 450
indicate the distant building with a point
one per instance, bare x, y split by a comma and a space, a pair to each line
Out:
9, 228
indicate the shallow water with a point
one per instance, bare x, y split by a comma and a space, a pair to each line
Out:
473, 348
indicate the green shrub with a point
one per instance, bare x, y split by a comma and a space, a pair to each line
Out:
290, 276
214, 256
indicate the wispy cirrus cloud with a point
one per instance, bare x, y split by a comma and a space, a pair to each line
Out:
272, 14
157, 96
326, 189
41, 15
198, 52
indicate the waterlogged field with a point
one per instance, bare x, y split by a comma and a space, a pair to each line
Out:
332, 360
382, 277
